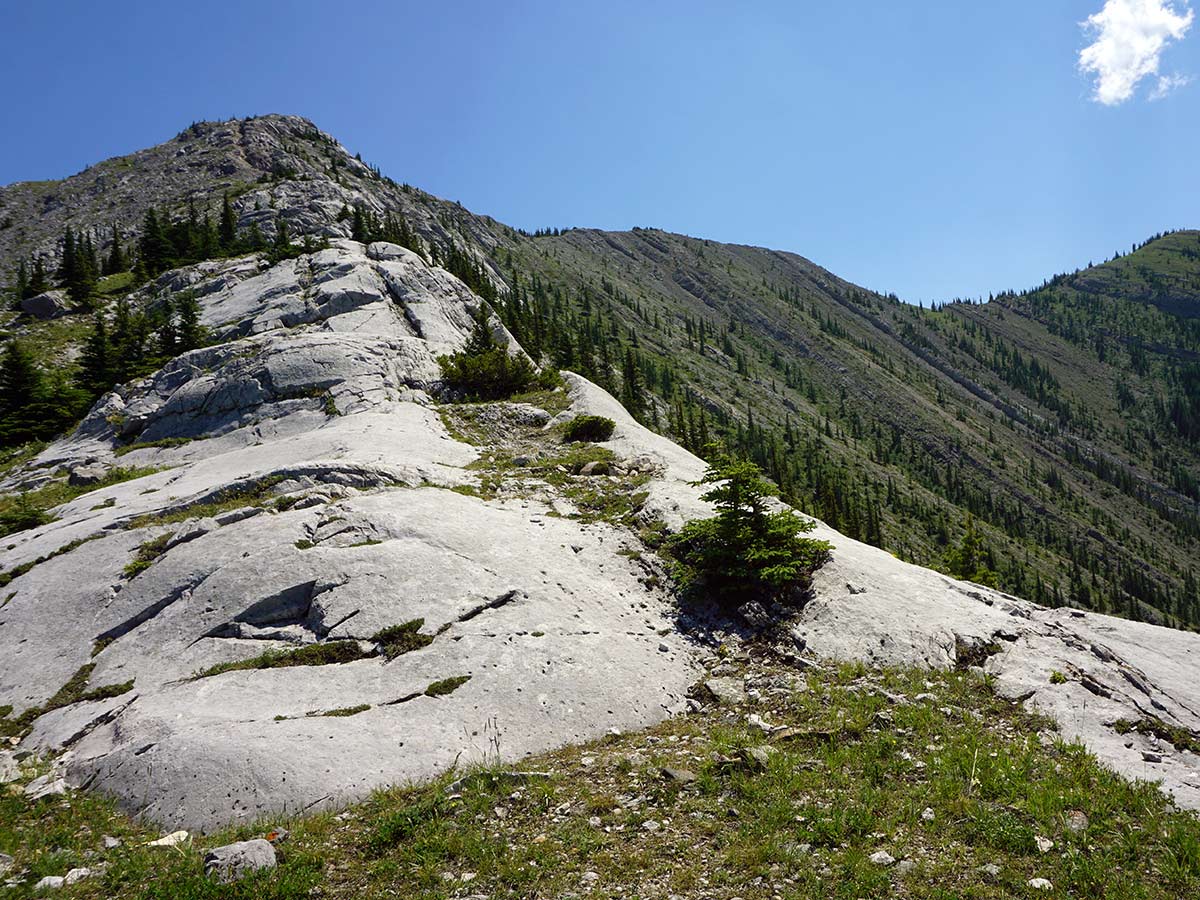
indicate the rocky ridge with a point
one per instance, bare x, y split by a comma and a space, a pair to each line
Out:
309, 494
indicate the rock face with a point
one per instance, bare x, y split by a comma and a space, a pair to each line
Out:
310, 496
48, 305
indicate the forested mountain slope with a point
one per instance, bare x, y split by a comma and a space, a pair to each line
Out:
1046, 442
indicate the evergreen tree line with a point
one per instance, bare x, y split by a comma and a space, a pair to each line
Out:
39, 402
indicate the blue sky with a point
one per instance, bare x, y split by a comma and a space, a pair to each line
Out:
932, 148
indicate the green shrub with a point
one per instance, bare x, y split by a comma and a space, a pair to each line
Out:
446, 686
744, 552
147, 553
21, 515
589, 428
484, 370
397, 640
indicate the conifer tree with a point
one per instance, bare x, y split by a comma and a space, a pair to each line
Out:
227, 230
116, 256
95, 362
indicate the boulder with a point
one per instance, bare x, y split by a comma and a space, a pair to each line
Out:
233, 861
10, 769
86, 475
49, 785
726, 691
48, 305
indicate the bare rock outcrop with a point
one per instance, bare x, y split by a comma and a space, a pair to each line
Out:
308, 498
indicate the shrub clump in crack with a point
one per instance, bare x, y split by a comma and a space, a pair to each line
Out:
446, 686
332, 653
397, 640
588, 428
485, 370
74, 691
147, 553
744, 552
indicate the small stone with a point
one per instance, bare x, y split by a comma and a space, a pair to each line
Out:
905, 866
1040, 884
882, 858
595, 467
233, 861
756, 721
1077, 821
49, 883
594, 821
6, 863
759, 757
990, 872
110, 842
726, 691
663, 648
590, 877
927, 814
651, 825
679, 776
1044, 844
76, 875
1151, 757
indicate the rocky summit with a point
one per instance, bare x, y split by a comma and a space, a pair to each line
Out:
305, 491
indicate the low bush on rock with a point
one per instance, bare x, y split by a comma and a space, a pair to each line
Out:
745, 552
589, 428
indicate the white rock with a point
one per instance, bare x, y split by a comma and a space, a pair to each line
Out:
48, 785
49, 883
1040, 884
1044, 844
882, 858
174, 839
76, 875
234, 861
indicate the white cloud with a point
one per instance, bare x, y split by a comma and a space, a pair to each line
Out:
1129, 39
1168, 83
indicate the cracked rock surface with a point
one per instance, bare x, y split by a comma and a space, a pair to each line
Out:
310, 498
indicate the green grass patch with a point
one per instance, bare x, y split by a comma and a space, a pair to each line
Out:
146, 445
446, 686
332, 653
253, 495
17, 571
30, 509
851, 774
74, 691
147, 553
396, 640
116, 284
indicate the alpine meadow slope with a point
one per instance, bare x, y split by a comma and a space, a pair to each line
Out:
277, 570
